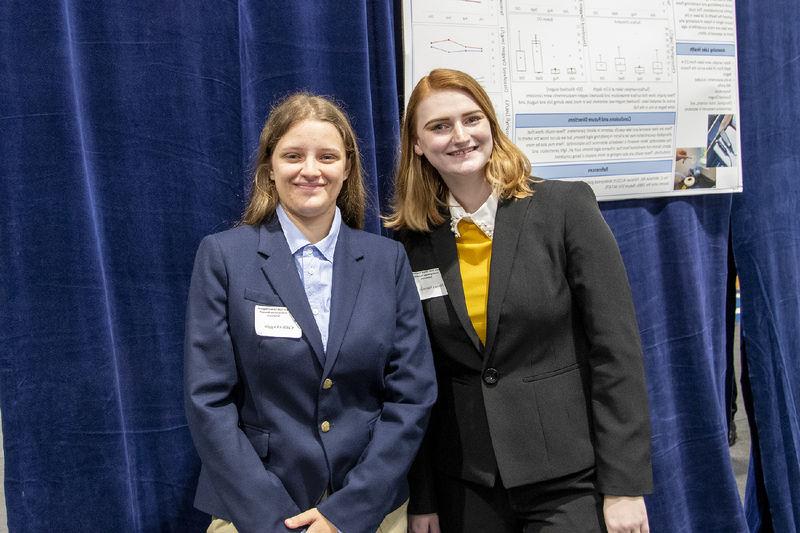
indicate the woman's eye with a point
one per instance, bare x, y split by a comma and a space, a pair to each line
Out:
474, 119
439, 127
329, 157
291, 157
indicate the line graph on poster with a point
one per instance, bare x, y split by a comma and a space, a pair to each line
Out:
459, 47
449, 46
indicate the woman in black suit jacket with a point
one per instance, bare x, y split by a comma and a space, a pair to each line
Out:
542, 419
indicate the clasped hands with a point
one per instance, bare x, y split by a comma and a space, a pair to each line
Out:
312, 520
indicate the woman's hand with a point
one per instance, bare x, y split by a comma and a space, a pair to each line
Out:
625, 514
423, 523
313, 519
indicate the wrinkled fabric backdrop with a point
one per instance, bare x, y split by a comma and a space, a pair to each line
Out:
126, 135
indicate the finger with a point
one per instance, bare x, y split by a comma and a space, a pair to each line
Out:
417, 526
302, 519
420, 524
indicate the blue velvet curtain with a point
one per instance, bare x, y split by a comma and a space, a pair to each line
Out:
766, 238
676, 253
126, 131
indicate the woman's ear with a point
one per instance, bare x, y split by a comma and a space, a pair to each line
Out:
417, 148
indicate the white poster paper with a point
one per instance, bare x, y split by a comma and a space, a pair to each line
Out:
639, 98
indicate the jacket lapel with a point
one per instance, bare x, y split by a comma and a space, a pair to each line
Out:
507, 229
444, 249
348, 270
281, 271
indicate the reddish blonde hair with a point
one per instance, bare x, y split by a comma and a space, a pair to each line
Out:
420, 194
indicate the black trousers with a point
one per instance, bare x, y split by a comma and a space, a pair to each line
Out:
564, 505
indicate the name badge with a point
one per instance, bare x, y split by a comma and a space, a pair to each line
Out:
429, 283
272, 321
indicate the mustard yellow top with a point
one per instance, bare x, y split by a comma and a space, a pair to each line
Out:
474, 257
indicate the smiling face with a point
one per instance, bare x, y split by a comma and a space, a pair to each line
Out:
454, 135
309, 165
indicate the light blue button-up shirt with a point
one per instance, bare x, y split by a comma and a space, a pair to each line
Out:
314, 264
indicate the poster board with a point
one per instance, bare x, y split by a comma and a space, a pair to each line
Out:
639, 98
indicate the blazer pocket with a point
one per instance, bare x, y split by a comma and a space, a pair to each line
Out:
552, 373
564, 410
261, 297
259, 439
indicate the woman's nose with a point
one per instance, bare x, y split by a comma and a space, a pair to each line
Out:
310, 167
459, 133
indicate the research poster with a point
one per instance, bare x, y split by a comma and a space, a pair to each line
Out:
639, 98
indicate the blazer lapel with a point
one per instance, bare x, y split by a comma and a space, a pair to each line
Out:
446, 254
281, 272
507, 229
348, 270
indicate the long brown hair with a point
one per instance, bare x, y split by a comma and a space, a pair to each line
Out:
290, 111
420, 194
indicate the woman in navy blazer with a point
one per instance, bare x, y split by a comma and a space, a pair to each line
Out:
542, 422
308, 374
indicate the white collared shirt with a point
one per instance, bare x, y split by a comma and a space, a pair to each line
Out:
314, 264
483, 217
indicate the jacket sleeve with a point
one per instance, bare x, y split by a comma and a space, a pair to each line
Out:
254, 498
619, 404
421, 479
409, 393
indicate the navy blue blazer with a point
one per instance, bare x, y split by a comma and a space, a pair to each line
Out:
277, 421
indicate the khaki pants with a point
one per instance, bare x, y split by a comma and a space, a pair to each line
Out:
395, 522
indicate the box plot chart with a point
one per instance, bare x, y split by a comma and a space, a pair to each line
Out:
629, 52
547, 49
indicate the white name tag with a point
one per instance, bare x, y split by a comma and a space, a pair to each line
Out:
430, 283
272, 321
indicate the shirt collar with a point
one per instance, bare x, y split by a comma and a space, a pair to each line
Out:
296, 240
483, 217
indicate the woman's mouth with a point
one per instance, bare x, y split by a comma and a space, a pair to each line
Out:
309, 186
463, 151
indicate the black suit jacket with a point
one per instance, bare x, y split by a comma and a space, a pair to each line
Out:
559, 386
